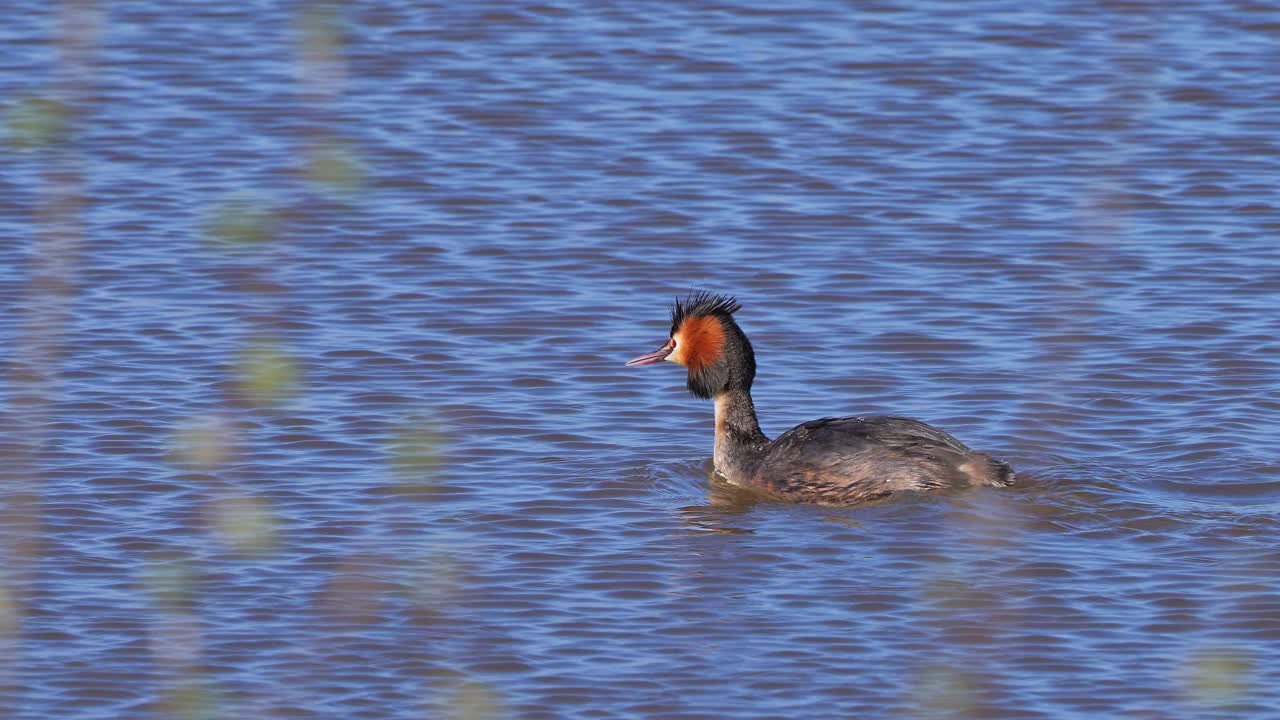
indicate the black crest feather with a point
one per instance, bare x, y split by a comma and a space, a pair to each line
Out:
700, 303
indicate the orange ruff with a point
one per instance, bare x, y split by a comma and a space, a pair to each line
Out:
701, 339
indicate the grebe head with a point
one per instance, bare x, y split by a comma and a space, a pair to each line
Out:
706, 340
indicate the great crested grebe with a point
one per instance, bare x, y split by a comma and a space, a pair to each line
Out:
832, 461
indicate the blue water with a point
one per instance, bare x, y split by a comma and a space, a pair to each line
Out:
314, 402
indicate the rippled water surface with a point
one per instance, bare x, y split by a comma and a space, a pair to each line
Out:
315, 318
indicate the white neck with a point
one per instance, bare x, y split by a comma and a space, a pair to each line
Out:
738, 436
719, 456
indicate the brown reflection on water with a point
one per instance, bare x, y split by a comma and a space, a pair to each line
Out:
724, 502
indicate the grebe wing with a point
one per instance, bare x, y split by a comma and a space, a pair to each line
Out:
849, 460
885, 430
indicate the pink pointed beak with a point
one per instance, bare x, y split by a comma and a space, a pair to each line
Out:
656, 356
